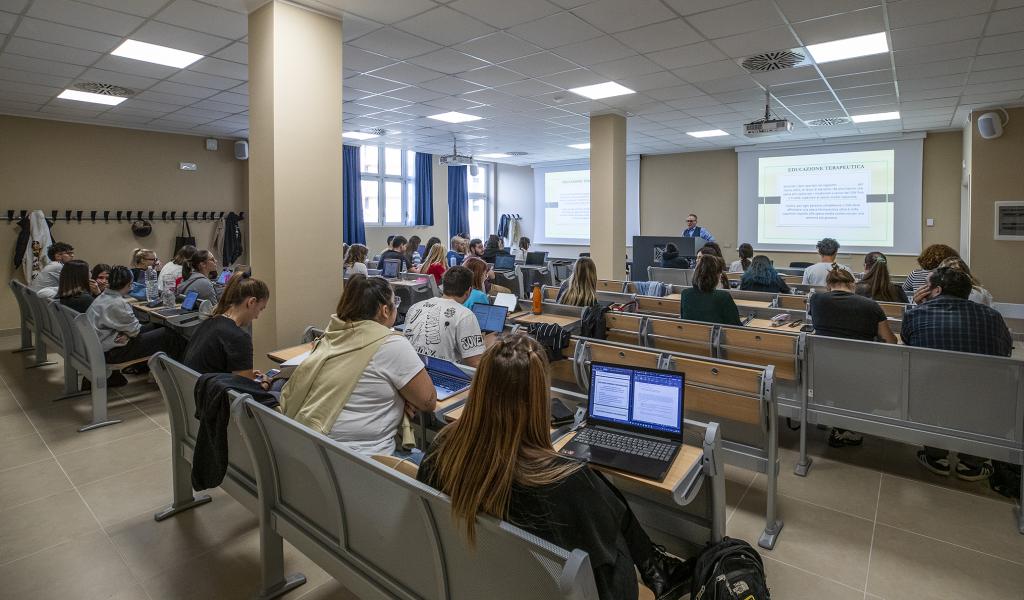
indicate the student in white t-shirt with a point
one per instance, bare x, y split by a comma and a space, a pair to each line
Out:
171, 272
818, 272
443, 327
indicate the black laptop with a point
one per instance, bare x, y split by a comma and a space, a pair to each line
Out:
536, 259
634, 420
187, 305
504, 262
490, 316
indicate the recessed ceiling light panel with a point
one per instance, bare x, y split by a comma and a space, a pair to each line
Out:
454, 117
871, 118
90, 97
862, 45
161, 55
580, 146
708, 133
597, 91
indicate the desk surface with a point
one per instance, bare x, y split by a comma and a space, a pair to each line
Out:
766, 324
686, 459
407, 282
140, 305
753, 303
563, 320
285, 354
673, 297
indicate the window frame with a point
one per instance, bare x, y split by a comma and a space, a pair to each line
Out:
379, 179
487, 196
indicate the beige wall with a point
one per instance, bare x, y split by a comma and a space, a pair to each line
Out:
996, 175
377, 237
53, 165
705, 183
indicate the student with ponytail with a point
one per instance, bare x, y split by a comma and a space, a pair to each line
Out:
195, 276
876, 283
746, 253
222, 344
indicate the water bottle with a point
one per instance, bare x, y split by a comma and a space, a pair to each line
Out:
152, 287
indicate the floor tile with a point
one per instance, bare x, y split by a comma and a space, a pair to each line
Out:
789, 582
906, 565
331, 590
31, 482
952, 516
90, 464
130, 493
85, 568
15, 425
22, 451
30, 527
822, 541
62, 435
831, 484
901, 461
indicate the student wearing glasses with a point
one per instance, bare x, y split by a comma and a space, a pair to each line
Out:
696, 231
49, 276
142, 260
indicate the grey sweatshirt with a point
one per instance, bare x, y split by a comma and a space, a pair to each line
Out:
110, 315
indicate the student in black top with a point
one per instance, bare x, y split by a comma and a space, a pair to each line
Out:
497, 459
713, 249
761, 276
876, 283
670, 258
221, 344
703, 301
841, 313
397, 252
75, 287
492, 249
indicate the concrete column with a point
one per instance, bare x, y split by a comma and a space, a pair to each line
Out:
295, 164
608, 195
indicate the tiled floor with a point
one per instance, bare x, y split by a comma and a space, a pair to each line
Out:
76, 515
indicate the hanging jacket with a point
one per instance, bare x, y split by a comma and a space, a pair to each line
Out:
218, 238
37, 242
233, 247
552, 336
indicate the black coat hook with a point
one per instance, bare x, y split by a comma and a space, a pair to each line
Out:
163, 216
24, 214
174, 215
106, 216
10, 216
67, 215
93, 215
119, 215
78, 216
53, 216
151, 213
195, 215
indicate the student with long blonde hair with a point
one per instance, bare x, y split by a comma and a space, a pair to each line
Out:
434, 263
497, 459
581, 287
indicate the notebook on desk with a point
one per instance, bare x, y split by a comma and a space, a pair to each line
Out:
634, 420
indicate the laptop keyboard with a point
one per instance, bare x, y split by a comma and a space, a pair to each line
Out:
448, 382
625, 443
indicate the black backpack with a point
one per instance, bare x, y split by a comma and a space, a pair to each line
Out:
729, 570
593, 325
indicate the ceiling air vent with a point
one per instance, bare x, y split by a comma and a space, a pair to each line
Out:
104, 89
517, 153
773, 61
829, 122
376, 131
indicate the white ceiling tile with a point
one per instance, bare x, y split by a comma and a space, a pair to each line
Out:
937, 33
204, 80
162, 98
55, 33
527, 88
224, 68
163, 34
613, 16
804, 87
504, 14
237, 52
931, 83
205, 18
382, 102
988, 99
950, 92
406, 73
13, 6
229, 98
625, 67
1000, 43
708, 71
597, 50
689, 7
755, 42
134, 82
369, 83
727, 84
866, 90
134, 67
927, 104
457, 103
538, 65
394, 43
660, 36
412, 94
353, 27
661, 79
987, 61
444, 26
450, 85
48, 67
916, 12
740, 18
575, 78
190, 91
71, 108
138, 106
223, 107
30, 88
448, 61
859, 79
84, 16
491, 76
782, 76
1005, 21
877, 104
498, 47
57, 81
363, 61
993, 87
992, 75
555, 30
352, 109
47, 51
675, 93
800, 10
934, 69
686, 56
842, 26
803, 99
864, 64
386, 11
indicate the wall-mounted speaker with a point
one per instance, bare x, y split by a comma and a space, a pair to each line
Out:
990, 125
242, 150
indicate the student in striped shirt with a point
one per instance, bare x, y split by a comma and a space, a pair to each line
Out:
929, 259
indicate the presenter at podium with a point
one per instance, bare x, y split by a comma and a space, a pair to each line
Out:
696, 231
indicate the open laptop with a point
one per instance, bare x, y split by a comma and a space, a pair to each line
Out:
490, 316
536, 258
187, 305
389, 268
448, 379
504, 262
634, 420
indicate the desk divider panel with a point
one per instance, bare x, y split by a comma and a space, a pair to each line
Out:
792, 302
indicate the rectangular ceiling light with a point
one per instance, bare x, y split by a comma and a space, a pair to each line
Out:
862, 45
90, 97
708, 133
580, 146
161, 55
454, 117
494, 155
887, 116
602, 90
359, 135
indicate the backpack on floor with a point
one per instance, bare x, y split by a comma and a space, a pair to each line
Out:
729, 570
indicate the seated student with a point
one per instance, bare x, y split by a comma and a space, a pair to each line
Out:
433, 264
761, 276
121, 335
876, 283
443, 327
929, 260
431, 242
100, 278
482, 274
713, 249
142, 259
670, 258
74, 290
948, 320
476, 248
492, 249
355, 260
523, 249
196, 276
816, 273
222, 344
412, 253
841, 313
49, 276
978, 293
457, 254
580, 289
361, 377
518, 477
170, 274
397, 252
703, 301
746, 252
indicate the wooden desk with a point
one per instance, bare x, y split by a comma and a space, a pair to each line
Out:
766, 324
673, 297
686, 459
753, 303
150, 312
564, 321
286, 354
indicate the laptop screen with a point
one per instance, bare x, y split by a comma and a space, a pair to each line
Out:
490, 316
189, 303
536, 258
641, 399
439, 365
389, 270
504, 262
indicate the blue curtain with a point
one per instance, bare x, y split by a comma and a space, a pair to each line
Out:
424, 214
352, 197
458, 201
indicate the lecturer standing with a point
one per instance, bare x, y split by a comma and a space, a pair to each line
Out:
695, 231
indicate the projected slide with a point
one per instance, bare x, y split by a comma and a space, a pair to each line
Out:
848, 196
567, 204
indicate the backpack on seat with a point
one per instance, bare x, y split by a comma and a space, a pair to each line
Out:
729, 570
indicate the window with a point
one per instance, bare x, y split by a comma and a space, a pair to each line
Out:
480, 201
389, 185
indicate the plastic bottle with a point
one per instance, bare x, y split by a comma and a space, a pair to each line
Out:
538, 299
152, 287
